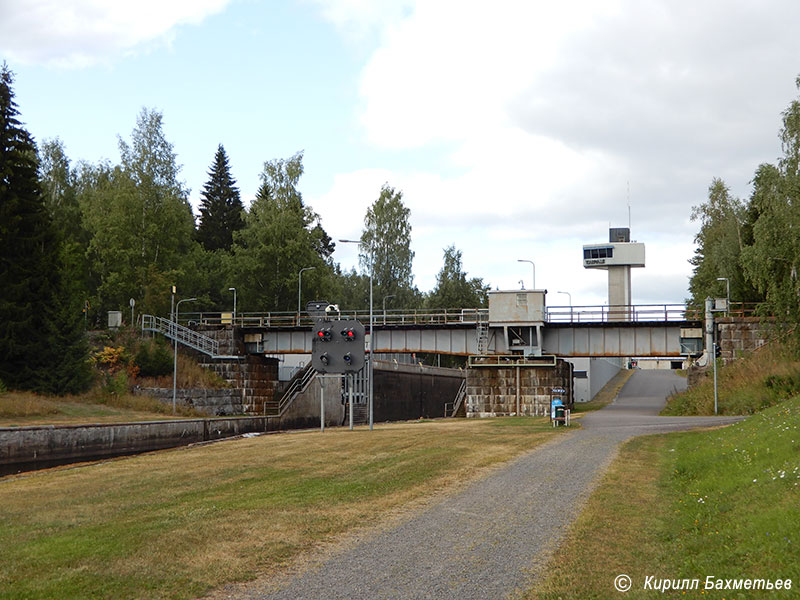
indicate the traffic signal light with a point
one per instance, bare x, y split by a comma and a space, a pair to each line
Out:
338, 346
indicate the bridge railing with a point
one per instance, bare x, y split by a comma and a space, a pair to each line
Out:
611, 313
380, 317
449, 316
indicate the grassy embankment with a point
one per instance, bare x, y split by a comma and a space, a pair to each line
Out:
19, 409
114, 359
177, 524
760, 379
722, 502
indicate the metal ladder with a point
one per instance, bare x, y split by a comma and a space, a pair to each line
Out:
482, 333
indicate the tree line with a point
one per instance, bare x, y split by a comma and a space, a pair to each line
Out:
80, 239
754, 243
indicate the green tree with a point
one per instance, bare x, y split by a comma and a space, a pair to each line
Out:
140, 220
281, 236
221, 207
42, 346
772, 259
386, 248
453, 289
59, 189
720, 245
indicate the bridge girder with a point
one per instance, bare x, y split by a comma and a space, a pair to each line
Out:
623, 339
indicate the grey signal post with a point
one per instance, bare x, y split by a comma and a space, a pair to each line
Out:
338, 347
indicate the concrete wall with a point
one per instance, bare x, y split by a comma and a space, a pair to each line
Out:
661, 363
304, 411
25, 447
404, 392
496, 391
401, 392
601, 371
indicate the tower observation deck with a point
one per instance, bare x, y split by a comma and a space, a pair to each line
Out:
617, 256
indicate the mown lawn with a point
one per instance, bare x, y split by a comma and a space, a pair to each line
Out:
177, 524
722, 503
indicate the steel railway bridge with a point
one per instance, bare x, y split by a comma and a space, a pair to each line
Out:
653, 330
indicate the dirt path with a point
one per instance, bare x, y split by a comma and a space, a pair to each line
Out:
491, 540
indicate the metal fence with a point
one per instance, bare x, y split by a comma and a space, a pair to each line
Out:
293, 319
452, 316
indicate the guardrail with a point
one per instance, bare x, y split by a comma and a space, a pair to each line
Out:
631, 313
293, 319
511, 360
184, 335
453, 316
300, 383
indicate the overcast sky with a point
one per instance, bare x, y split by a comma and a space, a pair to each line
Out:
515, 129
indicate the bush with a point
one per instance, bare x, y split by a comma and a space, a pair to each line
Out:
153, 359
114, 386
784, 386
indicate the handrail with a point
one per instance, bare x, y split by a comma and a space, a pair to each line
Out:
460, 395
471, 316
293, 319
511, 360
621, 312
299, 384
184, 335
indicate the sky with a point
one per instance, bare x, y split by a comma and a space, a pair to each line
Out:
516, 129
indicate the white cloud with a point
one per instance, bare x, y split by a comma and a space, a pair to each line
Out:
77, 33
550, 111
359, 18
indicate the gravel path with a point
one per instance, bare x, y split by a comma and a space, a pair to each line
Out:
491, 539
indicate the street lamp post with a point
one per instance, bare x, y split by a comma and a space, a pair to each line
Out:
300, 288
727, 294
533, 266
371, 369
570, 303
175, 365
233, 320
385, 298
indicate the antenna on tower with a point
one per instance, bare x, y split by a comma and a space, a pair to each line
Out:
629, 204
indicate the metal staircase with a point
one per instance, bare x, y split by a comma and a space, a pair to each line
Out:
298, 385
184, 335
460, 395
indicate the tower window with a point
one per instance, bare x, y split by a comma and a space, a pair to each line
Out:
606, 252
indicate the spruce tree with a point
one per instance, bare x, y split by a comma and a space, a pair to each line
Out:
41, 345
221, 207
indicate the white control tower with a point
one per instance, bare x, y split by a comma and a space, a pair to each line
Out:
618, 256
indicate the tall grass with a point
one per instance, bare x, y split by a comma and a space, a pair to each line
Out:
26, 404
759, 379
